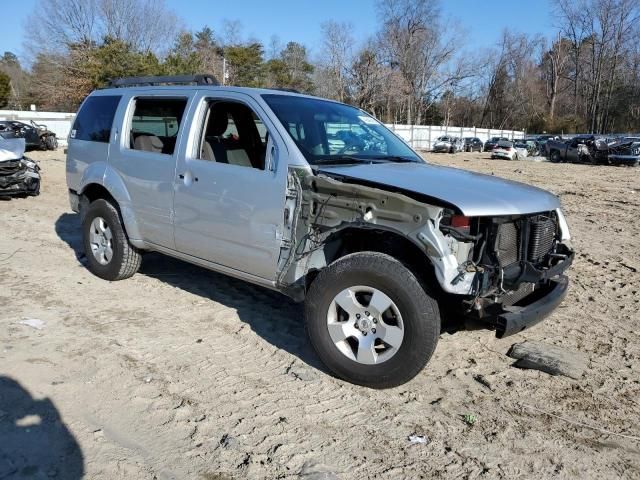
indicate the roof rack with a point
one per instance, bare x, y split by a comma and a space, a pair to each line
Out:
198, 79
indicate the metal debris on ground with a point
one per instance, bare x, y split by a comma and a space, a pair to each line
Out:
418, 439
547, 358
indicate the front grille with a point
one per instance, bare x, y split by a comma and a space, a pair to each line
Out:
507, 242
541, 237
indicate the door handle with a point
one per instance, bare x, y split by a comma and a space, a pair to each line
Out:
182, 175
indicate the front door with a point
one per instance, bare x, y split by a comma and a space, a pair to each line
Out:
230, 187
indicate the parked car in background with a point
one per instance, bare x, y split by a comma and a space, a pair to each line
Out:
504, 150
472, 144
447, 144
533, 148
244, 182
542, 142
28, 132
36, 136
522, 149
625, 151
492, 142
579, 149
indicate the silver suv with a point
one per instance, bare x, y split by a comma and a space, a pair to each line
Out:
318, 200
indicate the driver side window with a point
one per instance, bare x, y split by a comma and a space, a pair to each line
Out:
233, 134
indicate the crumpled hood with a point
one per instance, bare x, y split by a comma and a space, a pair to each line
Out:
474, 194
11, 148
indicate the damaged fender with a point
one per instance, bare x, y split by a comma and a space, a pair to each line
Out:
320, 205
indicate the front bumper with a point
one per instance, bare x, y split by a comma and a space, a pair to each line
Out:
515, 319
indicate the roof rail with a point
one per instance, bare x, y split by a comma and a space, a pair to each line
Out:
198, 79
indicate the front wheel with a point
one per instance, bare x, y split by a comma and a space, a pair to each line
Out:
370, 320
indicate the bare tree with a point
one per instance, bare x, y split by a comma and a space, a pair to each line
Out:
57, 25
336, 61
555, 66
415, 43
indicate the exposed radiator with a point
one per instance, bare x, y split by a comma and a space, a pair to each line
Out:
542, 235
507, 244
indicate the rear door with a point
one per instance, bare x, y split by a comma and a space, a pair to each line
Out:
145, 159
231, 185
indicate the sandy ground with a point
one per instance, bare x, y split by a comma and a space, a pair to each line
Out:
179, 372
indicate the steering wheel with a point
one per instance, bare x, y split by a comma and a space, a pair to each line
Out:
350, 149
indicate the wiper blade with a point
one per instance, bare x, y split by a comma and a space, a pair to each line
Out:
341, 160
396, 158
347, 159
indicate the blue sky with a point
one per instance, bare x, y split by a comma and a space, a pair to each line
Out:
299, 20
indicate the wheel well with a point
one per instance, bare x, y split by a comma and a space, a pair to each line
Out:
94, 191
352, 240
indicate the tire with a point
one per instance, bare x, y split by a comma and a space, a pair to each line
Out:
554, 156
51, 142
124, 259
418, 319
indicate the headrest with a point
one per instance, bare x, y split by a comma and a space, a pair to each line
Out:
218, 122
148, 143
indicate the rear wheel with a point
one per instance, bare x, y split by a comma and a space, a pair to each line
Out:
370, 320
555, 156
109, 254
51, 142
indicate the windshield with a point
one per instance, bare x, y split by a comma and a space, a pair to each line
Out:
330, 132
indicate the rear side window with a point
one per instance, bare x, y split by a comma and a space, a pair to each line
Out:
155, 124
95, 118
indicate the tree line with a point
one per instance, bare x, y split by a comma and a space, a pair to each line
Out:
415, 68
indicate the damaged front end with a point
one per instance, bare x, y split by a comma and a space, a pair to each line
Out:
19, 175
625, 152
520, 264
494, 268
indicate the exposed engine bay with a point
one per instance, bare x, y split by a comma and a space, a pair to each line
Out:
19, 175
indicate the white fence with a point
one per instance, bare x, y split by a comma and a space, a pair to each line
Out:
422, 137
59, 123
